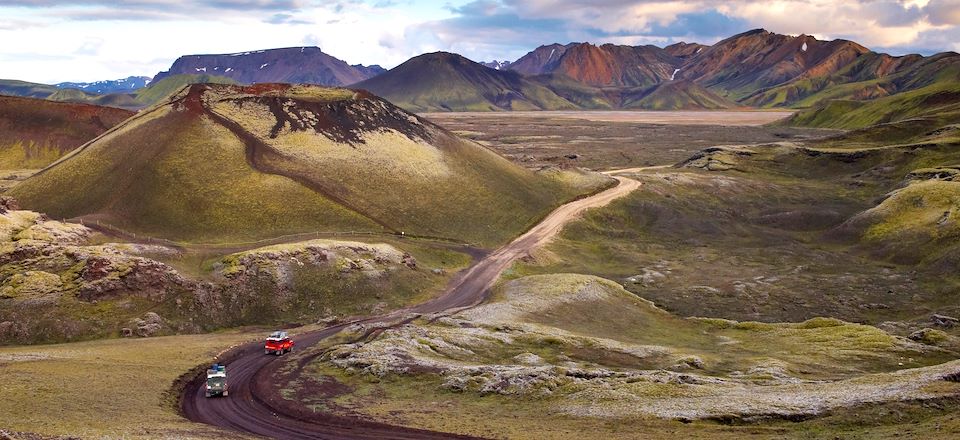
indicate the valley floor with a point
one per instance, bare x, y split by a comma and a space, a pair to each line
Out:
614, 140
733, 295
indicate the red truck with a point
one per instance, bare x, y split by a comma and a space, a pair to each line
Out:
278, 343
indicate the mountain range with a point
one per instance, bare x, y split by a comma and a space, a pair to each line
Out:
757, 69
296, 65
123, 85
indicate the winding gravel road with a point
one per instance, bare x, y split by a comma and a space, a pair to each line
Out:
248, 409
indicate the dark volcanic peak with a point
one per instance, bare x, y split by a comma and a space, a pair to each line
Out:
305, 65
342, 115
443, 81
541, 60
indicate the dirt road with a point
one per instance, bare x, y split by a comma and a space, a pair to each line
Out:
248, 408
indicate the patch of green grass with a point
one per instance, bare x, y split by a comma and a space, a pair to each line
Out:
111, 388
939, 101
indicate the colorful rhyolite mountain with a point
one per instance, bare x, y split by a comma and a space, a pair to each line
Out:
752, 69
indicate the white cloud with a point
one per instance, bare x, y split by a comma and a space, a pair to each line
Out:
92, 39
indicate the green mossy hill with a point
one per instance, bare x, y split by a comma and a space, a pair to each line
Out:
939, 103
57, 285
222, 163
678, 95
448, 82
35, 132
585, 346
917, 223
869, 76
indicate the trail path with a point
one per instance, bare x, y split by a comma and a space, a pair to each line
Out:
248, 410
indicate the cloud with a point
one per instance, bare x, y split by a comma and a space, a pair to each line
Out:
503, 26
152, 10
284, 18
943, 12
89, 47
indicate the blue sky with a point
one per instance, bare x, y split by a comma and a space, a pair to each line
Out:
84, 40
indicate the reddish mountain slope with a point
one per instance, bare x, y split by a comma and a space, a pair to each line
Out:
612, 65
35, 132
757, 59
608, 65
304, 65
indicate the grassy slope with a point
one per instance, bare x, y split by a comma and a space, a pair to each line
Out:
755, 235
939, 102
113, 388
156, 92
557, 302
34, 133
448, 82
858, 81
189, 183
678, 95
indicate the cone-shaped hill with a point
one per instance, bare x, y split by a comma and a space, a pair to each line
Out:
443, 81
226, 163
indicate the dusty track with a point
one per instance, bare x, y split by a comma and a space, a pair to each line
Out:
247, 408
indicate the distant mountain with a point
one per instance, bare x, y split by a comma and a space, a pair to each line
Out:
611, 65
124, 85
303, 65
496, 65
758, 59
138, 99
444, 81
541, 60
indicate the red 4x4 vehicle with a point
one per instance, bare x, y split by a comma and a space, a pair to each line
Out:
278, 343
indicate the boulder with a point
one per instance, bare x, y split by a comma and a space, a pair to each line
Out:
944, 321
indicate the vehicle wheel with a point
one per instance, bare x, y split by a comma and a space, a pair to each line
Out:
266, 351
226, 393
206, 394
279, 352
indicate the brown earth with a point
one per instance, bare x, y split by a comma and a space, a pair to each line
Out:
607, 140
46, 128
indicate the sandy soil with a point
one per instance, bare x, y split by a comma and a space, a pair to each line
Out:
724, 117
608, 140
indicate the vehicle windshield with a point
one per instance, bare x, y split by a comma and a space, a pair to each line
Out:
215, 381
277, 335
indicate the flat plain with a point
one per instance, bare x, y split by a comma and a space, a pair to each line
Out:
619, 139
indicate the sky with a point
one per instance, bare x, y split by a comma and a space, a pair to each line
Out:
51, 41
